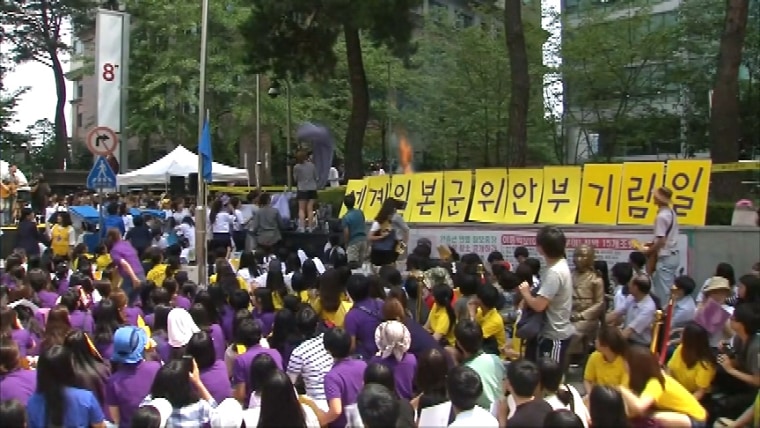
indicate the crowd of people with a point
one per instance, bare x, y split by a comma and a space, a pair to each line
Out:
120, 336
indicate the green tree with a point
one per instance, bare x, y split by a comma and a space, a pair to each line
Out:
617, 98
35, 32
8, 104
296, 39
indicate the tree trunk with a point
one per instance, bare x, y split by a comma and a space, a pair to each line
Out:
61, 130
725, 123
517, 131
357, 123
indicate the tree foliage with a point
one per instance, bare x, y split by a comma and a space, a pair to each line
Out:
35, 32
296, 39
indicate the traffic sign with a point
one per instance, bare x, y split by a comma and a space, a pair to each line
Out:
102, 141
101, 175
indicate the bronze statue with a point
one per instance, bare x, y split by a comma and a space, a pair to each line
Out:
588, 297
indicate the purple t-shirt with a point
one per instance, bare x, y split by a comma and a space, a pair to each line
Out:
182, 302
216, 381
361, 321
149, 320
47, 298
403, 373
266, 320
81, 320
344, 380
25, 341
123, 250
128, 386
163, 349
227, 321
131, 315
241, 367
18, 385
220, 345
63, 285
105, 349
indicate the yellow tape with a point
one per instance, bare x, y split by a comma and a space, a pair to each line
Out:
736, 166
240, 190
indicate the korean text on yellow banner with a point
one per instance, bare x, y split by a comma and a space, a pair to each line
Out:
378, 188
690, 182
401, 185
359, 189
457, 190
489, 199
640, 179
525, 189
562, 194
425, 198
600, 196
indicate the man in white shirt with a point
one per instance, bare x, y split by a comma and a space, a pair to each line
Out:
637, 313
10, 182
665, 245
464, 387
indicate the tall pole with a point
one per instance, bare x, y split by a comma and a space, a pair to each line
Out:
257, 167
200, 210
388, 136
289, 167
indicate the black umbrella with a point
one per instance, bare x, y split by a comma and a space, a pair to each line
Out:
322, 148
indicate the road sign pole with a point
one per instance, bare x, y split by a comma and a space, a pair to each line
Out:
101, 218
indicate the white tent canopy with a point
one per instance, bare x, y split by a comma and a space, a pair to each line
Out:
181, 162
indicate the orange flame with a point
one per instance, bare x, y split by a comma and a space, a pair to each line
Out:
405, 153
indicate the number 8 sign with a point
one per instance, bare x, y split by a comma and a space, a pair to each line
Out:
109, 71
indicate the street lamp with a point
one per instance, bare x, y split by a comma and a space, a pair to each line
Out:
274, 92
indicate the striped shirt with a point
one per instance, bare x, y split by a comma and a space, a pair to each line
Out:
312, 361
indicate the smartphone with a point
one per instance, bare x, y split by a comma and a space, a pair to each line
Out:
187, 362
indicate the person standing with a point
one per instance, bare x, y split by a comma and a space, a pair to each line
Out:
305, 175
354, 233
10, 183
40, 194
665, 245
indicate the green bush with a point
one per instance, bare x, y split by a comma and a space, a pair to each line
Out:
719, 213
332, 196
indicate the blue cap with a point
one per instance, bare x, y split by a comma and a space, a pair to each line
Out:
128, 345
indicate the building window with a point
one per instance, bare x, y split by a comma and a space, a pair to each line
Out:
79, 120
79, 90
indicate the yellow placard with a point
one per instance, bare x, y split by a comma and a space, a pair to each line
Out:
690, 182
640, 179
401, 185
426, 198
600, 196
359, 189
525, 189
562, 194
489, 199
457, 190
378, 188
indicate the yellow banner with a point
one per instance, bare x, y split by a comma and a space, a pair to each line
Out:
378, 188
600, 196
562, 191
640, 179
489, 200
426, 198
401, 186
359, 189
457, 190
690, 182
525, 189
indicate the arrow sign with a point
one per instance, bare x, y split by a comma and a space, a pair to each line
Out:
101, 175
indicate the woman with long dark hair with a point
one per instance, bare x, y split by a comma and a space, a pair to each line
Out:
16, 381
213, 371
693, 362
430, 379
159, 331
220, 221
442, 319
330, 304
183, 388
202, 319
90, 371
276, 283
107, 319
382, 236
264, 309
80, 319
57, 401
280, 406
57, 327
285, 336
11, 327
607, 408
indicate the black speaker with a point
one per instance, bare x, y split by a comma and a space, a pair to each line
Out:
192, 182
177, 185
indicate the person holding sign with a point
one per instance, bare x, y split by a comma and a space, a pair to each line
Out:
662, 254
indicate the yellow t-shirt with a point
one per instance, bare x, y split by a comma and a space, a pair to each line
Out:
440, 324
59, 240
277, 300
336, 318
698, 377
103, 261
674, 398
241, 282
492, 325
157, 274
601, 372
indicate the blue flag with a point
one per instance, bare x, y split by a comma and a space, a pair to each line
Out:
204, 151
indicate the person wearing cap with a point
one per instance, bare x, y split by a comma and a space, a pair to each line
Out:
665, 244
717, 290
132, 376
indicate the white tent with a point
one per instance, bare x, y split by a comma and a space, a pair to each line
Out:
181, 162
